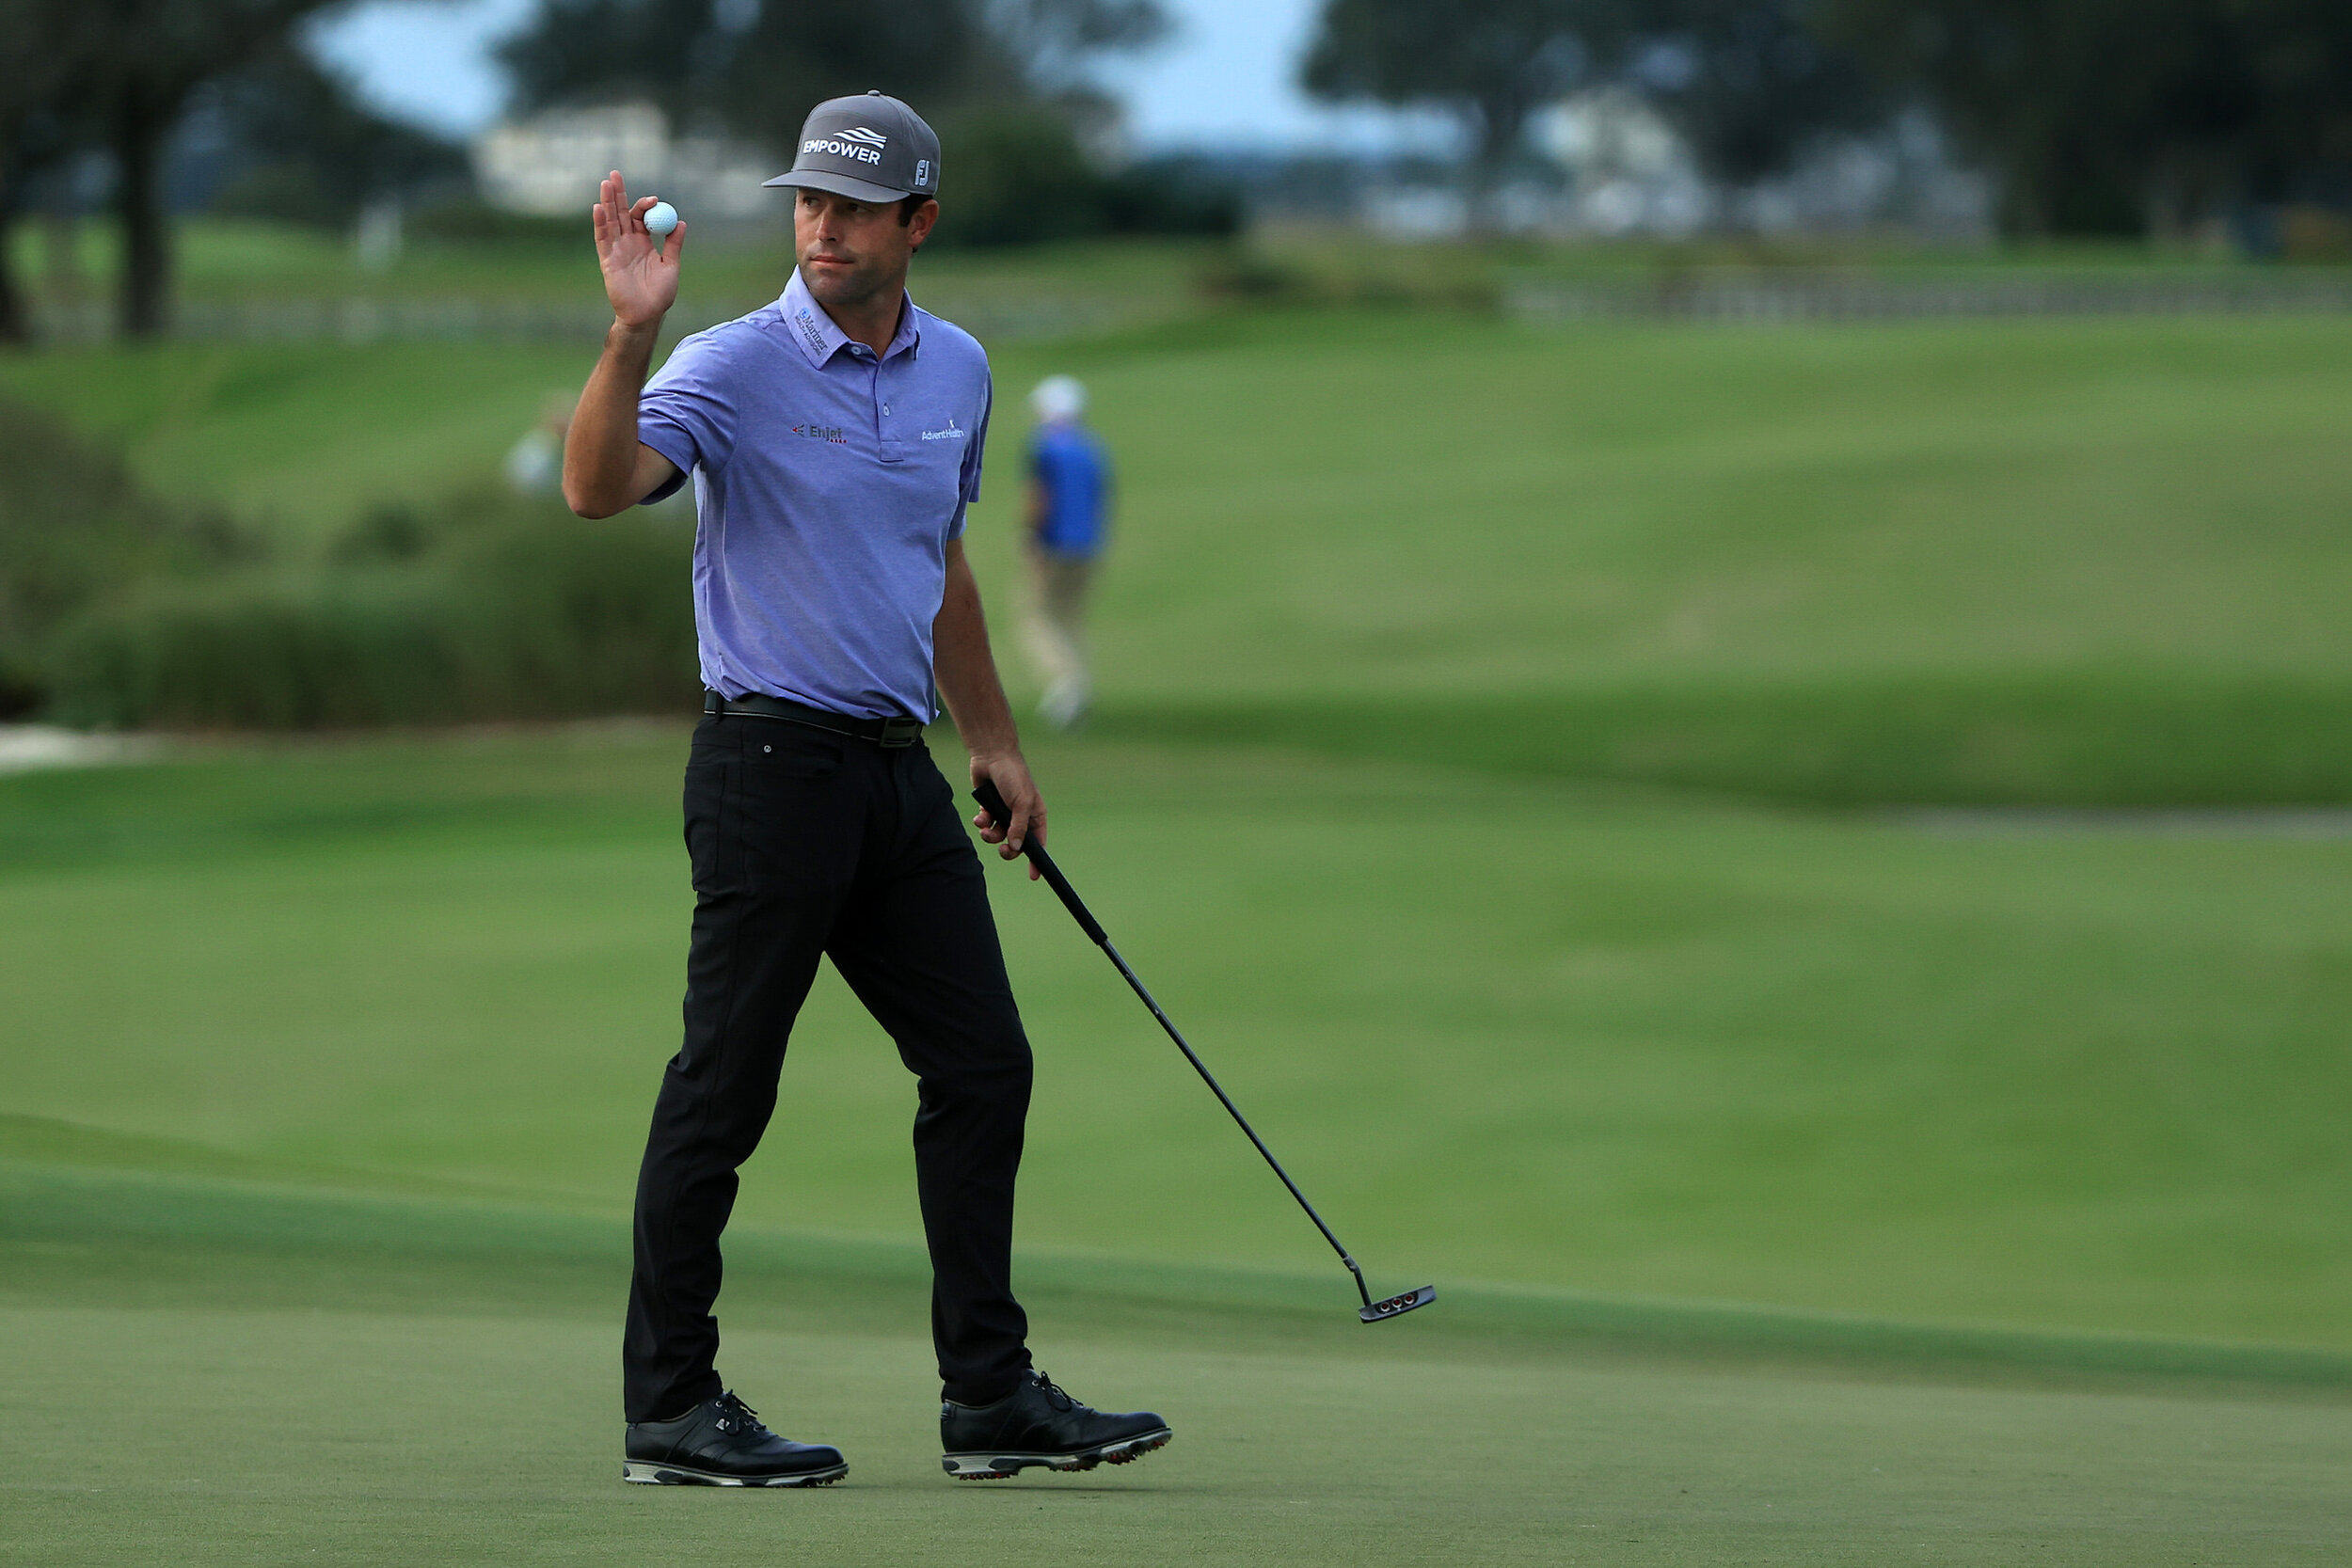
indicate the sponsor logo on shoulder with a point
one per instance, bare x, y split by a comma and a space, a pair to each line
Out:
950, 434
860, 142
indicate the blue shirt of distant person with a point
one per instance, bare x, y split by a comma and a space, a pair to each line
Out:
1069, 471
1070, 487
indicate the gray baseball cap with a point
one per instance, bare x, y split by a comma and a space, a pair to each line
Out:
869, 149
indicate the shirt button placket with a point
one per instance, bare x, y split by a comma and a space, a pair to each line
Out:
885, 424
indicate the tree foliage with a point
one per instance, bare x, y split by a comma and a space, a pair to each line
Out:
1745, 81
1489, 63
757, 66
2101, 116
2098, 116
303, 147
46, 51
120, 72
1003, 81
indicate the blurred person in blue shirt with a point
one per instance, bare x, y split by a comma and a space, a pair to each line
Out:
1070, 487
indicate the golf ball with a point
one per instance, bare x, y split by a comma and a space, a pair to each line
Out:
661, 218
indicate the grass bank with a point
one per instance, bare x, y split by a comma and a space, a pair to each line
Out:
2078, 737
2062, 561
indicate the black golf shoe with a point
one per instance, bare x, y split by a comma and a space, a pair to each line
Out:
1038, 1424
721, 1442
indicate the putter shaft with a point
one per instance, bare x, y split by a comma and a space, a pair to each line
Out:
994, 803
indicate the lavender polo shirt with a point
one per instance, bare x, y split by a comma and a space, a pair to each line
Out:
828, 483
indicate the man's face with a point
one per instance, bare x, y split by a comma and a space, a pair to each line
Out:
852, 251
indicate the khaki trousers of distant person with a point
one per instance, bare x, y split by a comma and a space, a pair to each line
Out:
1055, 629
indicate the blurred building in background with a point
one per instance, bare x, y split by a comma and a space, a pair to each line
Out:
549, 164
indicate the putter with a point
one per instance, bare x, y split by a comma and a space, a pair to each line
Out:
1372, 1311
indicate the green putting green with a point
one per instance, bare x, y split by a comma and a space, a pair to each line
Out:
1501, 1030
219, 1370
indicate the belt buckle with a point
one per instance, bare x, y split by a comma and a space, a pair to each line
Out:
900, 732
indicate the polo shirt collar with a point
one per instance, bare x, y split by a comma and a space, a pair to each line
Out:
821, 337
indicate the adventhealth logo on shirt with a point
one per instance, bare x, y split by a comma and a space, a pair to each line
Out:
858, 142
950, 434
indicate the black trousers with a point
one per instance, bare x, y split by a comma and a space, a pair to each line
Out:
806, 842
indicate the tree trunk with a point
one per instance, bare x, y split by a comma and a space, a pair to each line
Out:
1500, 122
142, 121
16, 322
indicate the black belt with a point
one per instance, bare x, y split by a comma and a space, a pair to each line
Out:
895, 731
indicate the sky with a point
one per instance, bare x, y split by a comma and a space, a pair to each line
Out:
1224, 81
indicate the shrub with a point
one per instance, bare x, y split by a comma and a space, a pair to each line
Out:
77, 531
1017, 176
467, 220
1172, 196
517, 613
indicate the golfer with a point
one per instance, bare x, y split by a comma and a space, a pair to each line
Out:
1068, 503
835, 440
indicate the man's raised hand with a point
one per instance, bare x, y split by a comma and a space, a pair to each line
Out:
639, 279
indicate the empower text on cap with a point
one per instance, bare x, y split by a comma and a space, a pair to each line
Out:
871, 148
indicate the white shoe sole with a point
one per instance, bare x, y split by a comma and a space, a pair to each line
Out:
984, 1465
649, 1472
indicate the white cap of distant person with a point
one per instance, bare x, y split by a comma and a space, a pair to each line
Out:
1058, 400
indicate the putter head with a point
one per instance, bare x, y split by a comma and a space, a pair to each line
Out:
1396, 1307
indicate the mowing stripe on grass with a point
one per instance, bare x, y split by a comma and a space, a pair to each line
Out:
128, 1236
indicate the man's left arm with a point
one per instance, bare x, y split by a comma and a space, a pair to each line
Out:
966, 672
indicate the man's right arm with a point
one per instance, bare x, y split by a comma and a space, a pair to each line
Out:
606, 468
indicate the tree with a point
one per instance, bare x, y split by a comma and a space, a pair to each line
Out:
1489, 63
46, 47
302, 147
757, 68
2114, 116
1746, 82
157, 53
1004, 82
2060, 96
1053, 41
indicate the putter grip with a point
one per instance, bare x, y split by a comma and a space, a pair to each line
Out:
992, 802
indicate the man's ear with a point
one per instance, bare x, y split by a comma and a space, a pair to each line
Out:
919, 226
